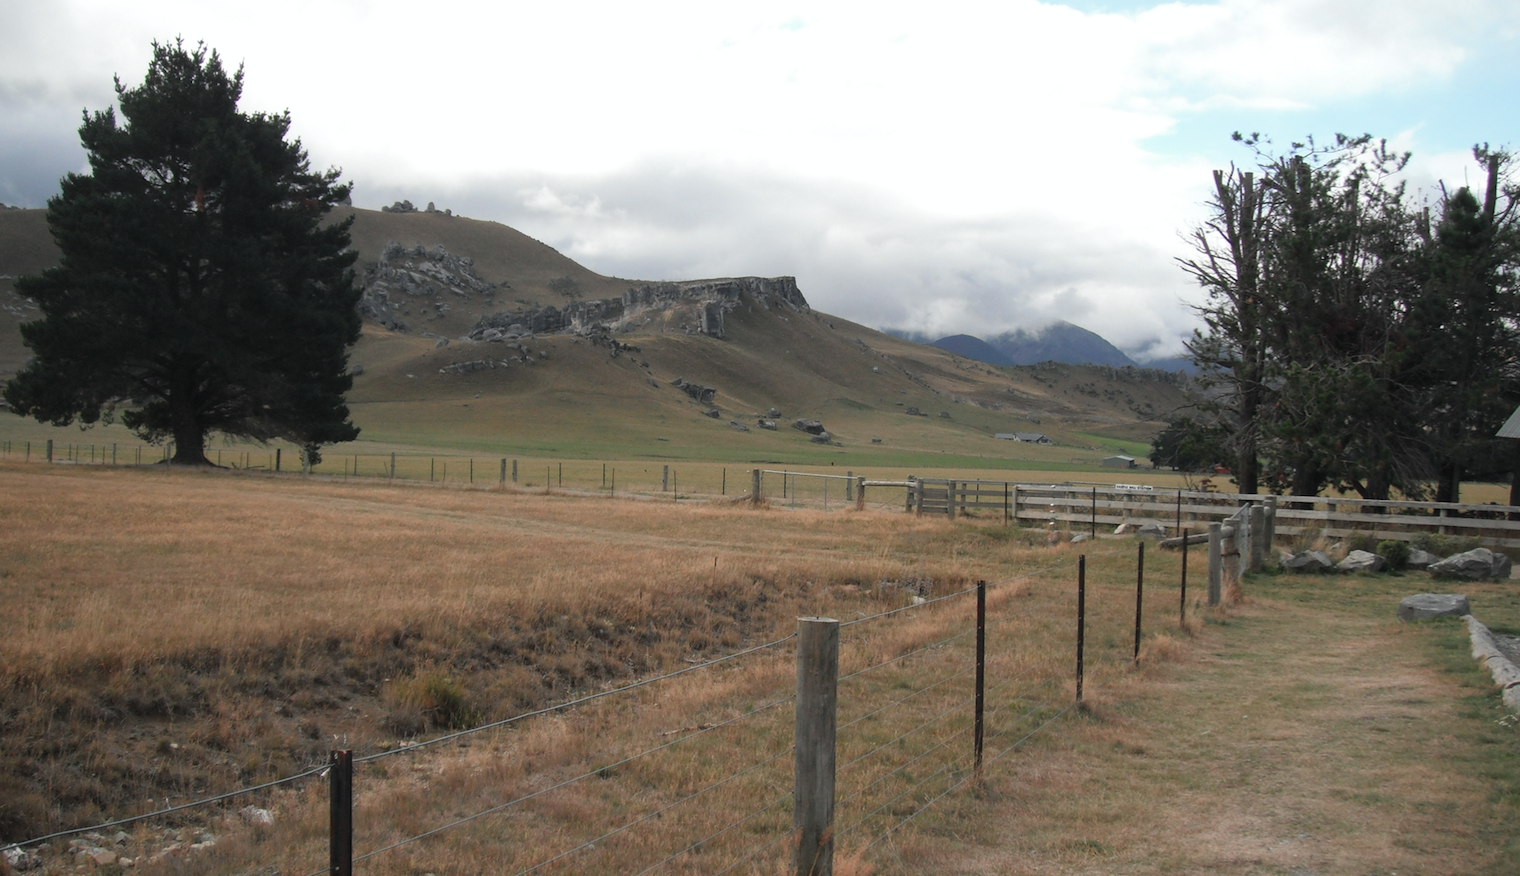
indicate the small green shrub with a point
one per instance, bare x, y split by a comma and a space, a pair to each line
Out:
1362, 541
1445, 545
430, 700
1396, 552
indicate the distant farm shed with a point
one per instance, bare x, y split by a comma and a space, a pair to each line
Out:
1026, 437
1511, 427
1120, 461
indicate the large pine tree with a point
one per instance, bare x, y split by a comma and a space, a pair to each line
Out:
198, 290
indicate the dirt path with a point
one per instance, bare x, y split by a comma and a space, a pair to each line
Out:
1295, 739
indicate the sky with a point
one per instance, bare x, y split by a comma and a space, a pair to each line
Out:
961, 168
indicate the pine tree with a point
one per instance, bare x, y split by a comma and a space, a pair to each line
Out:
198, 289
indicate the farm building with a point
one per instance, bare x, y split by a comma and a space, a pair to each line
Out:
1026, 437
1120, 461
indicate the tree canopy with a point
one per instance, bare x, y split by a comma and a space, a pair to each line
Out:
197, 289
1348, 342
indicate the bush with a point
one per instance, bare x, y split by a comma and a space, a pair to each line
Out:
1396, 552
430, 700
1445, 545
1362, 541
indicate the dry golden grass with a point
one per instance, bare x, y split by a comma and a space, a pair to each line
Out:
187, 632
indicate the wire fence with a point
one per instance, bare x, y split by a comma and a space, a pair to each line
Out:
698, 770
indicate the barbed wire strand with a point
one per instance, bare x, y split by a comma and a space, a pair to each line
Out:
582, 777
572, 703
914, 787
957, 705
963, 781
888, 613
919, 650
170, 810
752, 854
900, 767
946, 679
655, 814
715, 834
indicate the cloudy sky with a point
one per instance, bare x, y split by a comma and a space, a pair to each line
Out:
968, 167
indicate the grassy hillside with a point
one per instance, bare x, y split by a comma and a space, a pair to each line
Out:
578, 399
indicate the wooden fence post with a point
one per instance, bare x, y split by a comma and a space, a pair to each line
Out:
503, 473
1216, 562
340, 839
1258, 518
393, 465
50, 450
860, 493
514, 471
813, 788
950, 499
665, 479
1269, 531
849, 486
754, 486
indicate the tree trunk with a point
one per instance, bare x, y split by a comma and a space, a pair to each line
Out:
189, 435
1449, 483
1514, 483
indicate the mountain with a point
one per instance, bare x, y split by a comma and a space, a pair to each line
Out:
478, 336
1059, 342
974, 348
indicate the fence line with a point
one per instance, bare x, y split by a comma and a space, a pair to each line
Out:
937, 711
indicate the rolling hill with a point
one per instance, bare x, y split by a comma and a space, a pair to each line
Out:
478, 336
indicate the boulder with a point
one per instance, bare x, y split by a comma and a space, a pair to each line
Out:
766, 424
714, 413
773, 413
821, 438
1419, 559
1502, 565
812, 427
1151, 530
737, 426
1474, 564
875, 440
1078, 539
1307, 561
1361, 561
1426, 605
257, 816
944, 415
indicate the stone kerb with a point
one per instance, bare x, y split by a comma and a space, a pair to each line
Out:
1486, 649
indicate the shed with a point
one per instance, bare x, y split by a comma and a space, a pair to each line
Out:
1511, 427
1032, 438
1120, 461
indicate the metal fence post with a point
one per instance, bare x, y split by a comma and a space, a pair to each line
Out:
813, 789
1216, 562
340, 842
277, 459
981, 672
1139, 596
1081, 617
1182, 609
